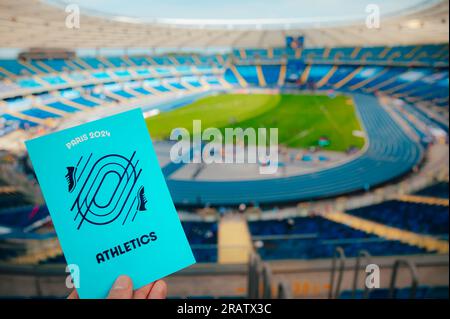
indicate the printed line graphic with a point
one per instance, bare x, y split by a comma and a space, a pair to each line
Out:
108, 189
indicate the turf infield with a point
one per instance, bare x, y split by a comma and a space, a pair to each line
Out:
301, 119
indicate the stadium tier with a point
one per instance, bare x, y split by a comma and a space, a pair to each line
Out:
418, 55
311, 237
11, 197
439, 190
414, 83
203, 239
373, 71
427, 55
316, 237
415, 217
23, 219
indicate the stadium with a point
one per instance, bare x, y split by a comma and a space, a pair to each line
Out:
361, 108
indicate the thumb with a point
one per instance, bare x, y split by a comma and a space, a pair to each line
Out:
122, 288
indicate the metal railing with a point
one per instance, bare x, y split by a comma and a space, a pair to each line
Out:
260, 281
266, 282
366, 256
254, 271
334, 292
284, 291
414, 277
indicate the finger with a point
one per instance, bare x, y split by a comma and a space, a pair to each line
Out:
159, 290
73, 295
122, 289
143, 292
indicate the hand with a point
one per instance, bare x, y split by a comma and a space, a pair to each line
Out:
123, 289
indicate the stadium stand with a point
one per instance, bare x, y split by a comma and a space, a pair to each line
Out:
203, 239
23, 217
438, 190
11, 196
316, 237
347, 78
419, 218
28, 221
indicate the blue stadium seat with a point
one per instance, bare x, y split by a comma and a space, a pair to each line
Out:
437, 190
202, 237
415, 217
316, 237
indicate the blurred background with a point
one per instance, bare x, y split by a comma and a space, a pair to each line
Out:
358, 91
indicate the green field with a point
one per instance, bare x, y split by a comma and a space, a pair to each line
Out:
301, 119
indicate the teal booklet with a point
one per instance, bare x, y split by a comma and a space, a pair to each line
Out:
109, 203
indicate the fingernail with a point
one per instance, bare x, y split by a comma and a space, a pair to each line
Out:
159, 290
123, 282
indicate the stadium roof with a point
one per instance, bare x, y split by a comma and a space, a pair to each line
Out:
238, 14
34, 23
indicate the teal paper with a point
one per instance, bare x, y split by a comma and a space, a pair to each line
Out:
108, 198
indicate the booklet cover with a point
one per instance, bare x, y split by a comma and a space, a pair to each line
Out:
109, 203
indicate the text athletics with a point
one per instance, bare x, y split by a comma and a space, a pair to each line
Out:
126, 247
